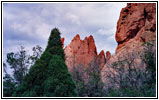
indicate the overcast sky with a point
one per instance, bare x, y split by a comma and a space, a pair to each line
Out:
29, 24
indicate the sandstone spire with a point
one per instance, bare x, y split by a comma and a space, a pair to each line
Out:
101, 59
82, 52
108, 55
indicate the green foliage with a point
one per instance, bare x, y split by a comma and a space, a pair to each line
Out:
59, 82
4, 68
54, 39
78, 73
125, 92
19, 63
37, 51
133, 80
145, 91
94, 86
150, 60
57, 50
88, 81
49, 75
9, 85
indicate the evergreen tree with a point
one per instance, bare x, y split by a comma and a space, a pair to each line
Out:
59, 82
49, 75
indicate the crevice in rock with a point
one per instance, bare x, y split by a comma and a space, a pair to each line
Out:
145, 13
143, 39
133, 33
121, 42
152, 30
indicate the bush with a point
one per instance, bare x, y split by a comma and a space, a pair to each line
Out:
88, 81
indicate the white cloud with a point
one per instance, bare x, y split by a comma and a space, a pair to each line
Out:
105, 31
8, 16
37, 20
21, 28
73, 18
43, 30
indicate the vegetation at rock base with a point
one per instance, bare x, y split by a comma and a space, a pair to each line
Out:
126, 77
88, 81
94, 85
132, 80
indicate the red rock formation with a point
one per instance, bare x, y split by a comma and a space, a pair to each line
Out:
82, 52
108, 55
62, 41
101, 59
136, 24
136, 20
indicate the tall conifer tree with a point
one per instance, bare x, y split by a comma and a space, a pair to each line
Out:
49, 76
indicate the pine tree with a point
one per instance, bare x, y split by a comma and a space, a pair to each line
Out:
49, 75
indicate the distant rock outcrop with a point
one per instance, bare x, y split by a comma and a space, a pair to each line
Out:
82, 52
101, 60
108, 55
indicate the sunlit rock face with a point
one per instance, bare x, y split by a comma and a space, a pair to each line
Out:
82, 52
136, 25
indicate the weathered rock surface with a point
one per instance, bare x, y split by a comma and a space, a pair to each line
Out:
108, 55
82, 52
136, 24
101, 60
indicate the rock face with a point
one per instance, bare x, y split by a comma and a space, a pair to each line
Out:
108, 55
82, 52
101, 60
136, 24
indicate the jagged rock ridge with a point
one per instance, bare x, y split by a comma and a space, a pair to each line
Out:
82, 52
